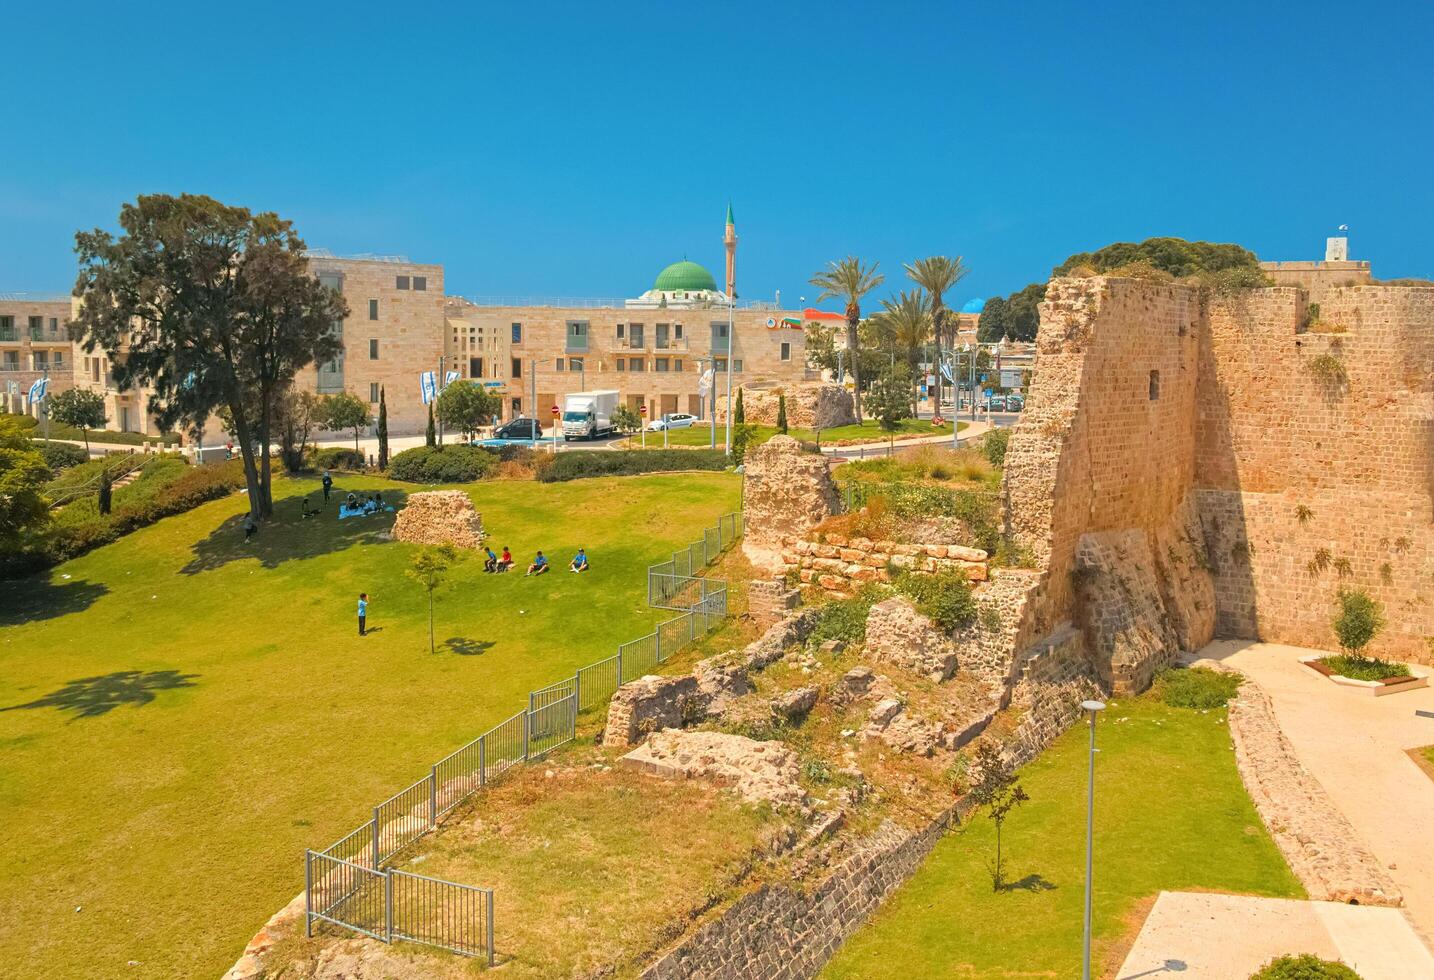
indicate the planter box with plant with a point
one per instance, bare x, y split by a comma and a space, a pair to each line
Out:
1358, 621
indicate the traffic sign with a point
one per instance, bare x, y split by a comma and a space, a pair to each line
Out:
643, 409
556, 411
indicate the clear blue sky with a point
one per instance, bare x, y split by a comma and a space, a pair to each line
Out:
575, 149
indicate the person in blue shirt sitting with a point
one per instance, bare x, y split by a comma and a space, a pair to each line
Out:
579, 562
539, 565
490, 563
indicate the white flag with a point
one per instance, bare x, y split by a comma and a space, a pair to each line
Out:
704, 383
449, 378
428, 386
39, 390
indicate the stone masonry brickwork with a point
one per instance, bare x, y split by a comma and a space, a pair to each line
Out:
649, 704
1321, 847
769, 601
810, 405
786, 491
440, 517
840, 565
896, 633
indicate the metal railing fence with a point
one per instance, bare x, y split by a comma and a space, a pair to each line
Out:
347, 885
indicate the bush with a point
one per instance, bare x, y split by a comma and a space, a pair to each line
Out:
1359, 620
1196, 687
993, 446
845, 619
443, 464
23, 421
944, 597
1365, 668
1306, 966
62, 455
626, 462
338, 458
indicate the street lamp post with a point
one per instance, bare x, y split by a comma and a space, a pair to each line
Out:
1091, 708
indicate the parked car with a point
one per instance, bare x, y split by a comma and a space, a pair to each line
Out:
520, 429
676, 420
1014, 403
998, 403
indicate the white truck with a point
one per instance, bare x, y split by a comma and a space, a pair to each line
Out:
588, 414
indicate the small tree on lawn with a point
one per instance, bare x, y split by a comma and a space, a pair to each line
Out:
625, 419
347, 411
890, 399
782, 413
79, 407
999, 791
430, 437
466, 405
739, 414
1359, 620
430, 568
382, 430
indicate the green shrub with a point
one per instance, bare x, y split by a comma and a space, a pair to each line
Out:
944, 597
845, 619
62, 455
23, 421
1359, 620
626, 462
443, 464
1306, 966
1196, 687
1360, 668
338, 458
993, 446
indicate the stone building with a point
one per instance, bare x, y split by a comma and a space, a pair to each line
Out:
1317, 278
34, 342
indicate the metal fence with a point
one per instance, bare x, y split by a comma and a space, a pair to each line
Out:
347, 885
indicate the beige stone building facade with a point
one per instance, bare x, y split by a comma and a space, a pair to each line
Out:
1318, 278
34, 342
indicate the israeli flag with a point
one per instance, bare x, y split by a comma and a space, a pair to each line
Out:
39, 390
428, 384
449, 378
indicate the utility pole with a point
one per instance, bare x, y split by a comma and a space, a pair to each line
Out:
45, 403
439, 388
533, 380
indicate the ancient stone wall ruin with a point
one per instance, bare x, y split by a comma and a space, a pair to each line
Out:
810, 405
440, 517
786, 491
840, 565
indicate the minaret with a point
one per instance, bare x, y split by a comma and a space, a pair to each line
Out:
729, 241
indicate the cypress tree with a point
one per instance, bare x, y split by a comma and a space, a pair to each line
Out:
739, 415
382, 431
431, 437
782, 413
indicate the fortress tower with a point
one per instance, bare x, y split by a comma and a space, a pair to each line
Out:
729, 242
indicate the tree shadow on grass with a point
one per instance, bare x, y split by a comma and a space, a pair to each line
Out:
465, 647
90, 697
288, 534
1030, 883
32, 599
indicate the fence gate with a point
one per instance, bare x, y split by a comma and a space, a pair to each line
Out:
441, 913
346, 894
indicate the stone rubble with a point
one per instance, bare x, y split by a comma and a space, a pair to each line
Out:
897, 634
760, 772
440, 517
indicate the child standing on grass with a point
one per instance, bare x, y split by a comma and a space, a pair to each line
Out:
363, 612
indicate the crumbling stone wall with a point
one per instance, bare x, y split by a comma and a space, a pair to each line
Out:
1055, 678
839, 564
810, 405
650, 704
770, 601
785, 491
897, 633
440, 517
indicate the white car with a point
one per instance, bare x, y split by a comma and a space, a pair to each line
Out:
675, 421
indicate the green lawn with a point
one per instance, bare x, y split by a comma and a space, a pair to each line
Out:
701, 435
181, 714
1170, 814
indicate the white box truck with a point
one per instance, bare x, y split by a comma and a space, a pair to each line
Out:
588, 414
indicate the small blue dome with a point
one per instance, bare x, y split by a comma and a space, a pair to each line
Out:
974, 305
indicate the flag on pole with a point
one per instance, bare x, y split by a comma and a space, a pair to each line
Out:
39, 390
449, 378
428, 385
704, 383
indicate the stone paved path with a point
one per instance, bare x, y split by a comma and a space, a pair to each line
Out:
1201, 936
1354, 745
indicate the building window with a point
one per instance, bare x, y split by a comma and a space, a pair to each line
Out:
420, 283
373, 349
575, 364
517, 333
720, 340
786, 352
517, 407
677, 330
636, 364
373, 309
37, 327
401, 282
619, 331
660, 364
475, 367
516, 368
621, 363
373, 391
7, 328
677, 364
660, 340
1154, 385
577, 335
54, 326
634, 335
736, 365
560, 364
719, 364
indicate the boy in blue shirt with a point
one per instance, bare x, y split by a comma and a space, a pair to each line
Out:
579, 562
363, 611
539, 565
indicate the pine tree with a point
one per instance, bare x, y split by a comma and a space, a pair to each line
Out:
739, 414
431, 437
382, 431
782, 413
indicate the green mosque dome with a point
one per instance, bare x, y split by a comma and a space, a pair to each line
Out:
684, 276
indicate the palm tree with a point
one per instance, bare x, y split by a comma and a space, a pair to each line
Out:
906, 322
937, 275
850, 279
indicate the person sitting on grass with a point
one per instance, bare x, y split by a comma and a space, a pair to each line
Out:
250, 528
490, 563
539, 565
506, 562
308, 512
579, 562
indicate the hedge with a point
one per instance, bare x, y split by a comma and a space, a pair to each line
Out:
338, 458
62, 455
626, 462
442, 464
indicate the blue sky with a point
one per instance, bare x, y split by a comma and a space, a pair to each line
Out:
575, 149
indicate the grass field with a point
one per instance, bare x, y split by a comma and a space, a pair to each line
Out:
1171, 813
871, 430
181, 714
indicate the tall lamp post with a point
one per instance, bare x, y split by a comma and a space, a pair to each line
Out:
1091, 708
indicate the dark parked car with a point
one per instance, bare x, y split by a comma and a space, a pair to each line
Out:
520, 429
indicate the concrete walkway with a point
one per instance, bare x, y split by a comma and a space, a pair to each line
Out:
1202, 936
1355, 746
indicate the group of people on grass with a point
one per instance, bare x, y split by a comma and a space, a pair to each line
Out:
495, 563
